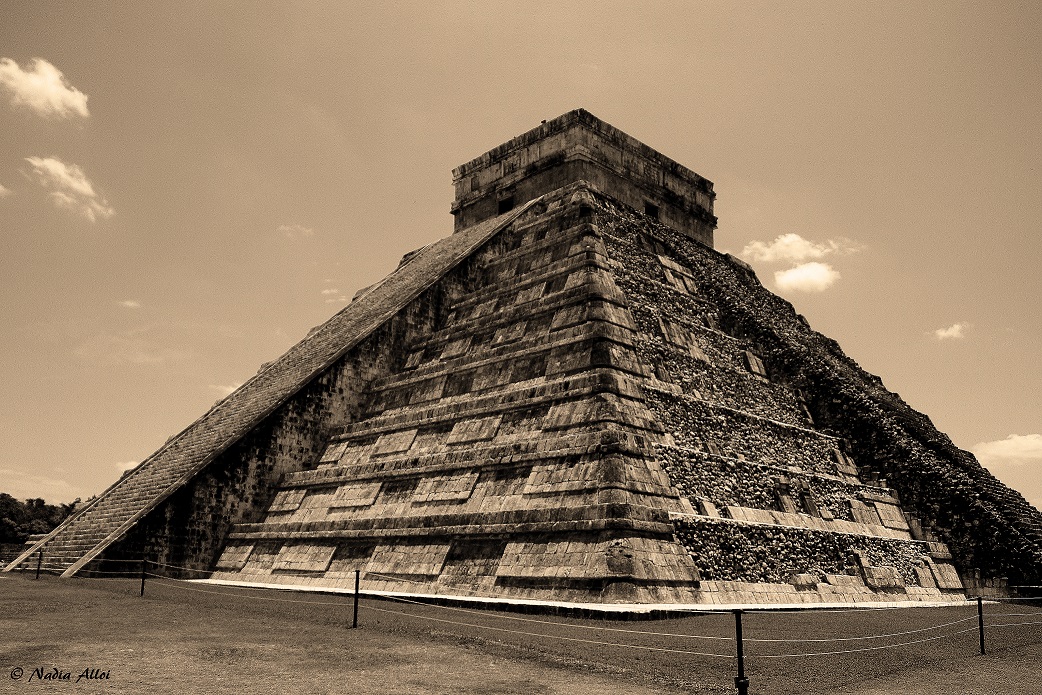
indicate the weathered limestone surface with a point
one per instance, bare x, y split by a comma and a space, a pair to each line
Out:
509, 453
578, 146
576, 400
837, 445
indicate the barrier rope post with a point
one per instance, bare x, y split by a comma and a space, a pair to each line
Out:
39, 561
142, 575
980, 623
740, 681
354, 620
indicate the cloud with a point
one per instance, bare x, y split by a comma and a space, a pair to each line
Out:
43, 89
22, 485
295, 231
130, 304
793, 248
807, 273
225, 390
129, 347
333, 295
1015, 449
70, 188
808, 277
4, 191
952, 332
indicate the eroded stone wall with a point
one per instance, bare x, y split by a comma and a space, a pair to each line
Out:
764, 411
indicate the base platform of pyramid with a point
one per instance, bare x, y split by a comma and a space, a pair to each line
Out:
572, 398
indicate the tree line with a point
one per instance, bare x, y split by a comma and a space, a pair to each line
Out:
19, 520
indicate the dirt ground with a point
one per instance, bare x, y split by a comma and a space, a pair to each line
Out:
189, 638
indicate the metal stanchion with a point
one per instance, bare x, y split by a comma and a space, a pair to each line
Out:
142, 575
354, 621
740, 681
39, 561
980, 622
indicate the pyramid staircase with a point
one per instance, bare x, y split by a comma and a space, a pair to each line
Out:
106, 518
94, 528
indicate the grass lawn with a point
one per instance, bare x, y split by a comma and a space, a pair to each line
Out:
195, 638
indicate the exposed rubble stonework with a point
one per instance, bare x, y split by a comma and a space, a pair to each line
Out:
574, 398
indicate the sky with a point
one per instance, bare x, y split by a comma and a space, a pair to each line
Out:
187, 188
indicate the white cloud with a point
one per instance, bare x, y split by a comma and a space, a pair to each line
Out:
1015, 449
70, 188
225, 390
794, 248
130, 304
42, 88
952, 332
129, 347
22, 485
4, 191
808, 277
333, 295
295, 231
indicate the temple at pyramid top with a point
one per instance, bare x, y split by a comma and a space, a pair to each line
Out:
578, 146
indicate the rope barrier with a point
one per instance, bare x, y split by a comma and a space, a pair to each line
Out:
1031, 622
682, 635
1011, 614
166, 581
862, 649
598, 628
176, 583
557, 624
867, 637
132, 572
178, 567
554, 637
180, 584
695, 637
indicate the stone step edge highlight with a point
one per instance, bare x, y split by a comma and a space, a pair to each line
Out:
494, 460
879, 494
657, 610
514, 397
592, 329
810, 523
700, 519
481, 530
749, 416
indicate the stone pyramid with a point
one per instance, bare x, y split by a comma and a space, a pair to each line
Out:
571, 398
